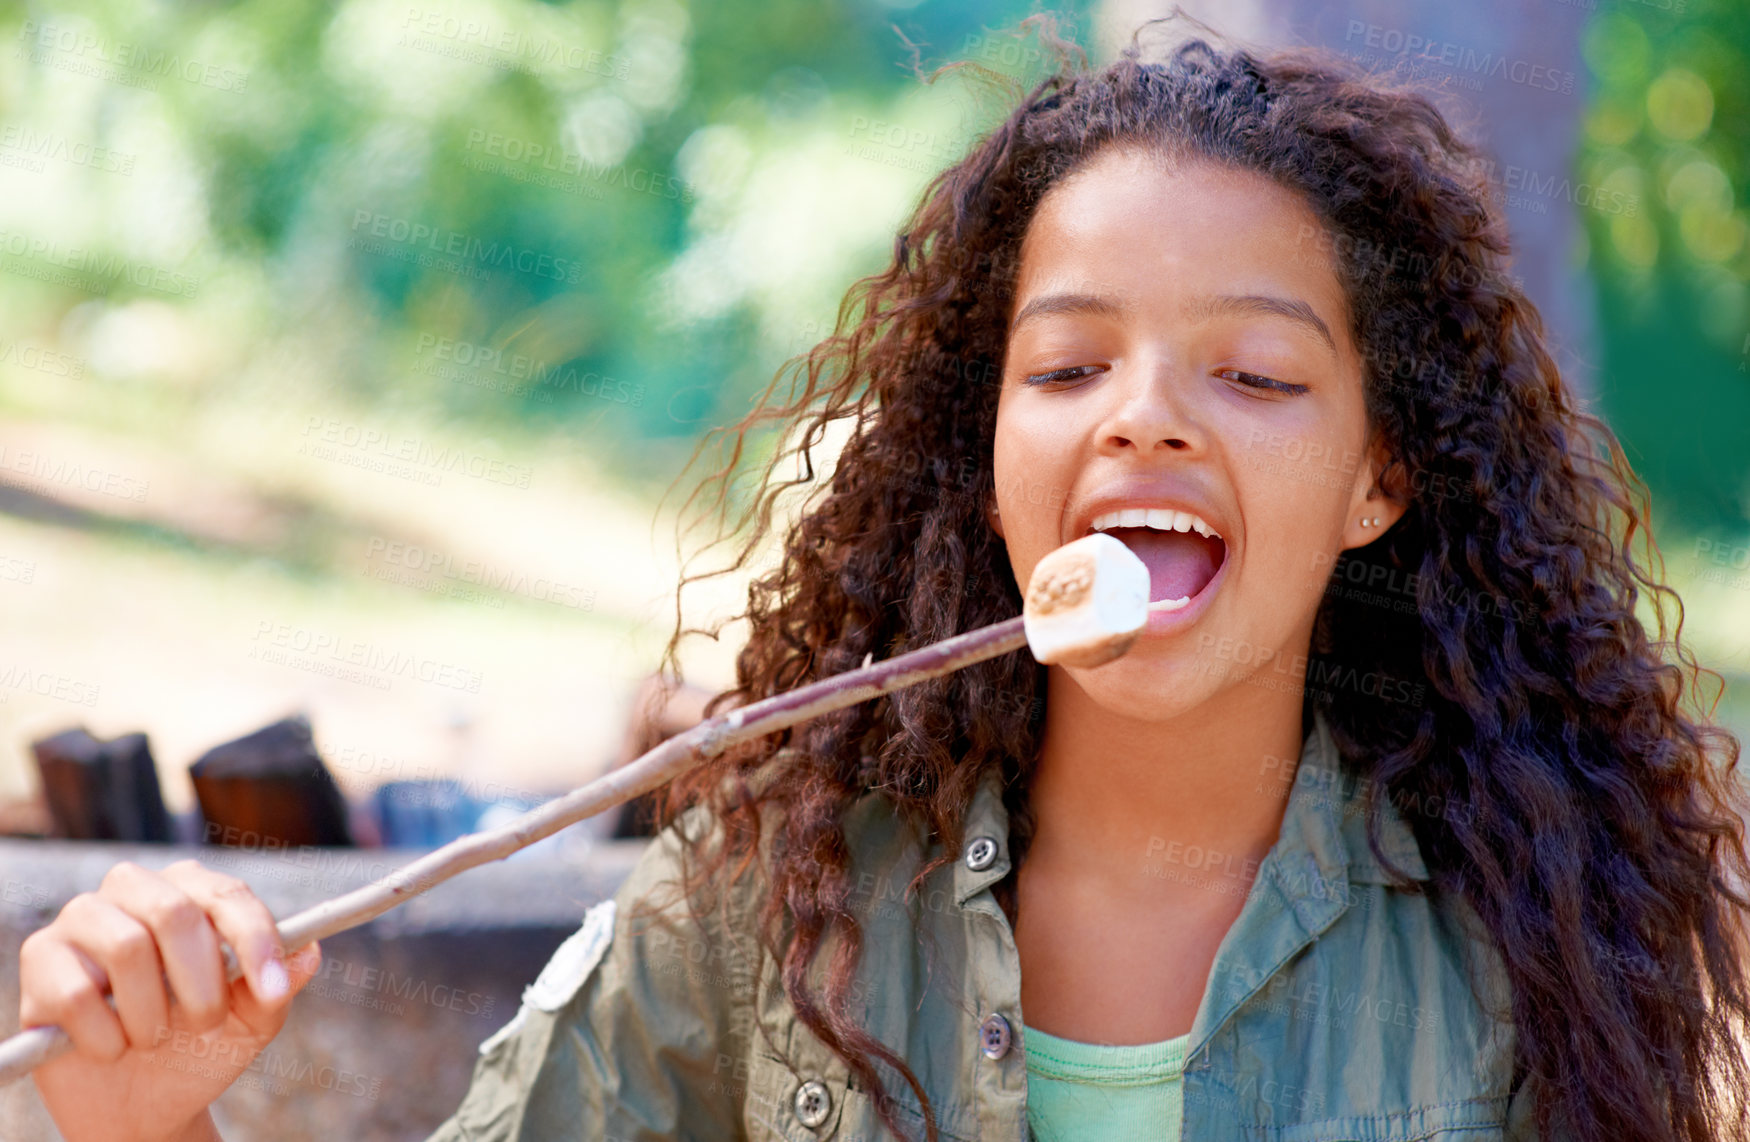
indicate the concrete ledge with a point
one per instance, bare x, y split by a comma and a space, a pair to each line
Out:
381, 1045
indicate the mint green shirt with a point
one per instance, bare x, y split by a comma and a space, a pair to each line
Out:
1092, 1092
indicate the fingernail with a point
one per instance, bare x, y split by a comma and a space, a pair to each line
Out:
274, 981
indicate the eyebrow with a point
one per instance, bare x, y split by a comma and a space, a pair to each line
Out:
1292, 308
1095, 305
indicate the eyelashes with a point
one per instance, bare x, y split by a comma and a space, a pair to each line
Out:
1250, 380
1068, 374
1254, 381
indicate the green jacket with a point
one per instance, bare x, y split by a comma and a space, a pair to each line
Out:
1337, 1008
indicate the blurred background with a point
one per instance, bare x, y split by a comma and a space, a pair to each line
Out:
347, 352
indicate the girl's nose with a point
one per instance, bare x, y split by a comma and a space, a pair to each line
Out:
1149, 410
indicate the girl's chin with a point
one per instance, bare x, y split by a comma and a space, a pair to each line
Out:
1149, 684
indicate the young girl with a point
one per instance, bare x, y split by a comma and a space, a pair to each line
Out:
1395, 828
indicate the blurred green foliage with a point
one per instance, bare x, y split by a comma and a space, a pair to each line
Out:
634, 211
1669, 124
376, 192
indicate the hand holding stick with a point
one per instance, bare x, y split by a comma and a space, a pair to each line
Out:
1086, 604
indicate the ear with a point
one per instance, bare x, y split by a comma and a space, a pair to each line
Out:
1379, 497
994, 517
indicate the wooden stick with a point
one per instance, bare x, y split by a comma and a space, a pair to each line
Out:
1086, 604
29, 1049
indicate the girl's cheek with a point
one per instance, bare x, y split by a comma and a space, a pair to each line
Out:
1286, 526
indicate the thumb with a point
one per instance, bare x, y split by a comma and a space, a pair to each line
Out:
303, 965
265, 1016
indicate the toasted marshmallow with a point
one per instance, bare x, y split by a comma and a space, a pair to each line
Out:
1086, 602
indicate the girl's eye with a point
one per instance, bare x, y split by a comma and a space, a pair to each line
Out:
1254, 381
1069, 374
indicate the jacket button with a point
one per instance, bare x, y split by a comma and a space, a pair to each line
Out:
813, 1104
981, 854
994, 1036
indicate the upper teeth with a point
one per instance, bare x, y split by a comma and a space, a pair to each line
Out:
1161, 519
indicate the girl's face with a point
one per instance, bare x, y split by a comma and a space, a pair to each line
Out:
1180, 344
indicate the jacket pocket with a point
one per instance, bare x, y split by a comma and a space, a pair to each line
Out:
782, 1103
775, 1111
779, 1098
861, 1121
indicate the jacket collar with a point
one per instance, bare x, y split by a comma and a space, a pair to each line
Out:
1326, 815
988, 817
1324, 822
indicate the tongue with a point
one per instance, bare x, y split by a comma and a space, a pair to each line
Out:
1180, 563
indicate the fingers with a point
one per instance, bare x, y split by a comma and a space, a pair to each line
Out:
127, 953
148, 938
60, 986
242, 921
186, 945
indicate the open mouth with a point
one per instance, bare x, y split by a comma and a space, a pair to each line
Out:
1179, 565
1182, 553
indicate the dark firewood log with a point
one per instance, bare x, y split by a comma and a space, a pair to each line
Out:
102, 790
270, 789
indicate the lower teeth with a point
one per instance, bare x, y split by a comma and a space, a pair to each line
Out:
1170, 604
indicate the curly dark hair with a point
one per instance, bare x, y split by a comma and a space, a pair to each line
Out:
1602, 848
